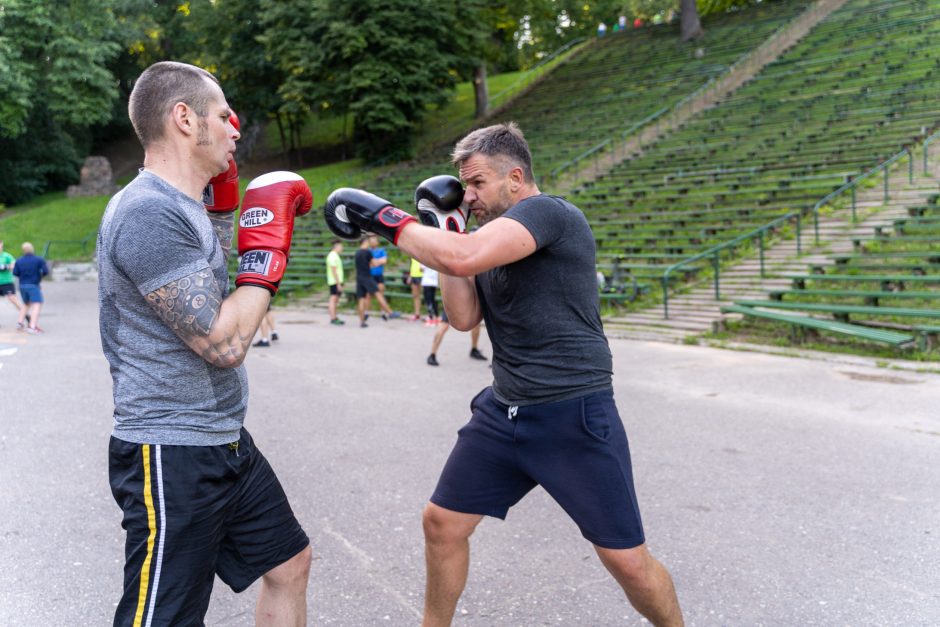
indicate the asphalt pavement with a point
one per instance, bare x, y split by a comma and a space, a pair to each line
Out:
777, 491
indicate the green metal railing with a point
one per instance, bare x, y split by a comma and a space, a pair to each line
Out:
926, 145
854, 183
83, 243
715, 253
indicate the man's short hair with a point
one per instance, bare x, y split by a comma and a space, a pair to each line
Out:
504, 141
160, 87
27, 248
335, 242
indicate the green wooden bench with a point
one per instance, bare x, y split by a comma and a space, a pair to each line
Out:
893, 338
886, 280
843, 310
931, 256
871, 296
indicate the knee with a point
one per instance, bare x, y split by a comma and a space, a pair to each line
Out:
292, 573
633, 568
442, 527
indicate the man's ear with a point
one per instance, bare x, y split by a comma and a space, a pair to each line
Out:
183, 118
516, 179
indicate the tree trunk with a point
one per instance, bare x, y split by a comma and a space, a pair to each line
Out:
481, 91
690, 24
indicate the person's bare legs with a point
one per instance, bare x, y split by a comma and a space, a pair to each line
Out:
646, 583
283, 597
364, 303
383, 304
334, 299
438, 336
416, 299
474, 337
447, 556
34, 314
15, 302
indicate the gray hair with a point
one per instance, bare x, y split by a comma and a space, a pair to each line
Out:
159, 88
503, 141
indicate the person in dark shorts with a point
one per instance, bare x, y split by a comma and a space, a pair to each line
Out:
549, 418
29, 270
198, 497
366, 287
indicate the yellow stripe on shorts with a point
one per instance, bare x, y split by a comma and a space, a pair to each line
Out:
152, 524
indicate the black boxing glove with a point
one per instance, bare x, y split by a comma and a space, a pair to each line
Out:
439, 201
350, 211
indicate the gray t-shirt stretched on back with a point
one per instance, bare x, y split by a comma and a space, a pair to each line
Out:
543, 312
164, 393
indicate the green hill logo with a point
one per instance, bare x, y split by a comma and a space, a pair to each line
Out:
256, 216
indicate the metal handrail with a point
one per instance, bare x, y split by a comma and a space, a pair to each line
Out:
926, 145
715, 251
853, 185
84, 243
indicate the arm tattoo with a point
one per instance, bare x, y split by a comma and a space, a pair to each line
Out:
190, 306
224, 227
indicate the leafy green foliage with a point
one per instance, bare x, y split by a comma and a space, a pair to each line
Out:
53, 85
384, 61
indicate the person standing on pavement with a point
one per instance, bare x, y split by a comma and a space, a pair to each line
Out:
334, 279
198, 497
30, 269
549, 418
366, 287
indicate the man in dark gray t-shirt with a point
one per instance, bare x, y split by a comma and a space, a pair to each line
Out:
549, 418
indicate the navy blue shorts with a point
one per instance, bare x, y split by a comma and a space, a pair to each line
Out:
575, 449
191, 512
31, 293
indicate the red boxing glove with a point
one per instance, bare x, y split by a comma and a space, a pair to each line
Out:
221, 194
266, 226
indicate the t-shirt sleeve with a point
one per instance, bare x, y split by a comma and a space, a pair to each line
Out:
154, 248
542, 216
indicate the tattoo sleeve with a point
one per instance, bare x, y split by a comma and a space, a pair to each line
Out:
190, 306
224, 226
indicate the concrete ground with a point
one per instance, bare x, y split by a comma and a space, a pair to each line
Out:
778, 491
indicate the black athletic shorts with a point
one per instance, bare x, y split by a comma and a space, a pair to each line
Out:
366, 286
193, 512
334, 289
576, 449
7, 288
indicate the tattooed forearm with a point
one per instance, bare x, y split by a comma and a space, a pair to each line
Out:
190, 307
224, 226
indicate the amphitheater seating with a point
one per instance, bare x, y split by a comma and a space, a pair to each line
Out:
856, 89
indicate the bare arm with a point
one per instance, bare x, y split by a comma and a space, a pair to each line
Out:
460, 257
500, 242
220, 331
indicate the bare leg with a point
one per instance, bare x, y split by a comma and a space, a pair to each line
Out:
34, 314
332, 306
363, 303
474, 336
438, 336
14, 301
283, 596
383, 304
416, 299
265, 328
447, 555
646, 583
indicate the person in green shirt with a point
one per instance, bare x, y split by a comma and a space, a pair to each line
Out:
334, 278
7, 288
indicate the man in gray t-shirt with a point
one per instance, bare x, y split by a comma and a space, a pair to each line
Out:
549, 418
198, 497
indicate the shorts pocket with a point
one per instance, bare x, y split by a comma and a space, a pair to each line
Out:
595, 420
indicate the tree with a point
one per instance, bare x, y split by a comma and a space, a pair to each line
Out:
689, 24
384, 61
54, 84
